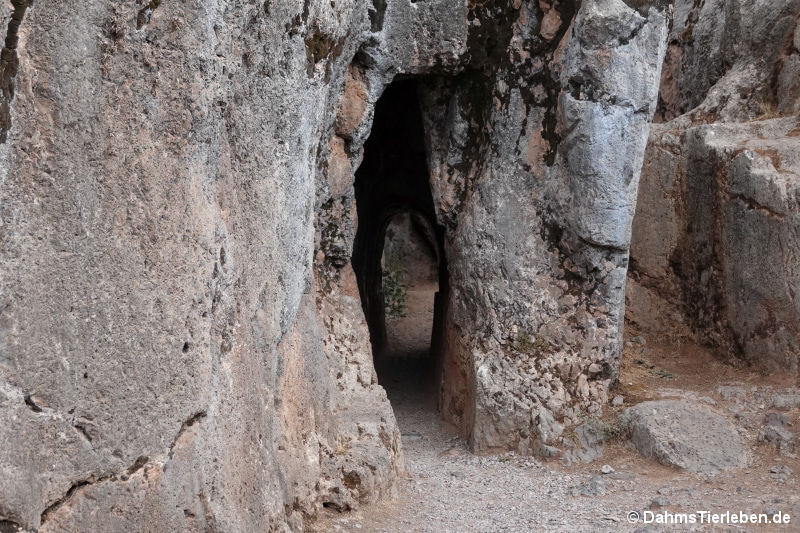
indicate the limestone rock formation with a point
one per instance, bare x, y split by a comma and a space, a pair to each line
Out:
722, 228
182, 341
537, 278
715, 242
731, 60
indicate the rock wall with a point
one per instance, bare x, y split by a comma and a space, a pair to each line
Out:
719, 230
731, 60
167, 360
537, 192
410, 247
715, 240
182, 345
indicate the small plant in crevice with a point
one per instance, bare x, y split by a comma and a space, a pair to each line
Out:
570, 436
394, 292
534, 345
767, 107
611, 429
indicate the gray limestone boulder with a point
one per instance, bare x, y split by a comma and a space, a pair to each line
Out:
590, 440
786, 400
780, 438
776, 434
686, 435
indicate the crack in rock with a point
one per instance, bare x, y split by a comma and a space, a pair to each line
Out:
140, 463
32, 405
186, 424
56, 505
9, 65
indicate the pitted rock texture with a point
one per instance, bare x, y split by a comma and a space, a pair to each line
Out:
537, 278
182, 342
687, 435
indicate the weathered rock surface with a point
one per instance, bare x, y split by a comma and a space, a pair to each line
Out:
776, 434
167, 360
720, 229
589, 446
785, 400
731, 60
410, 248
715, 241
537, 279
182, 345
686, 435
780, 438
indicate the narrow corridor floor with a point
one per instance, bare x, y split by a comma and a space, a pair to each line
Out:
448, 489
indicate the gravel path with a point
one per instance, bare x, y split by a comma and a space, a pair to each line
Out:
447, 489
450, 490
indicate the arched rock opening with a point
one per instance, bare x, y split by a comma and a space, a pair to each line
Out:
410, 280
393, 192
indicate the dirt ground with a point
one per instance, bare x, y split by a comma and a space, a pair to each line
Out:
410, 335
448, 489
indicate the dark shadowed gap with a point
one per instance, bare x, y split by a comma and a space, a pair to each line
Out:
398, 250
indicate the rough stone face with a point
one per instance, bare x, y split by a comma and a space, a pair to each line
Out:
589, 446
788, 91
720, 225
410, 245
715, 240
725, 56
686, 435
780, 438
182, 345
537, 279
786, 400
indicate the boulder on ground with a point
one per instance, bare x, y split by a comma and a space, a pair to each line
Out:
779, 437
686, 435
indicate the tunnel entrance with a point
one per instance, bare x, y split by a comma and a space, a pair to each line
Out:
398, 250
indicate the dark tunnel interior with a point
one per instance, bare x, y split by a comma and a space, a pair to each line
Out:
398, 252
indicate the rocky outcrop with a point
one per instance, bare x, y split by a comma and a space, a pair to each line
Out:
537, 278
183, 342
715, 241
731, 60
532, 311
721, 228
685, 435
167, 360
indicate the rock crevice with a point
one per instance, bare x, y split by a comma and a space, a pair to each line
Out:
9, 65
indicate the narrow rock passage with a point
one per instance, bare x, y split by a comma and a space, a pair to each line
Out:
448, 489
